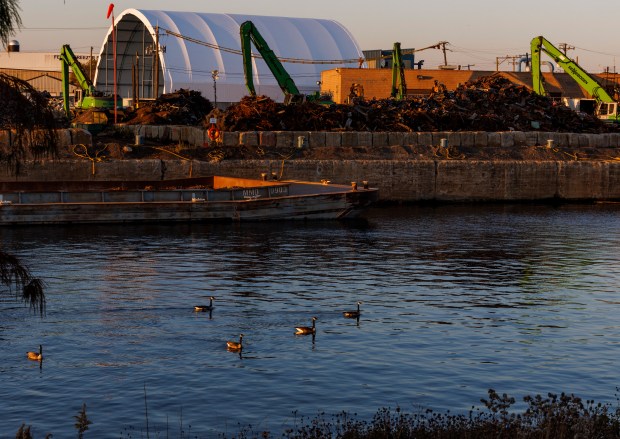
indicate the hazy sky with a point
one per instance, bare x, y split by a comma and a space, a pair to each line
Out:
479, 31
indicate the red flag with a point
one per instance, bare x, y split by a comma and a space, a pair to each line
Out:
110, 8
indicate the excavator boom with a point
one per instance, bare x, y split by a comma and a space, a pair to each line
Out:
540, 44
68, 59
250, 34
399, 86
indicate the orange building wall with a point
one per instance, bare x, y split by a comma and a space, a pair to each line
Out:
377, 83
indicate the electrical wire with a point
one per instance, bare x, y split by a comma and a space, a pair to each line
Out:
239, 52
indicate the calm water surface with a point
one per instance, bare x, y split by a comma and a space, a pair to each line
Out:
456, 300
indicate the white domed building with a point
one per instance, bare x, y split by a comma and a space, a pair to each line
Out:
202, 51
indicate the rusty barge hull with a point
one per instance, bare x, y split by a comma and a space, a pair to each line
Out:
188, 200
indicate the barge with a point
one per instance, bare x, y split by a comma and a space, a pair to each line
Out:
215, 198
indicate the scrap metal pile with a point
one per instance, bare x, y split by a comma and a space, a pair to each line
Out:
492, 103
184, 107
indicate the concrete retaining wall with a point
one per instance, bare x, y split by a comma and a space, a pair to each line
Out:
196, 136
398, 180
412, 181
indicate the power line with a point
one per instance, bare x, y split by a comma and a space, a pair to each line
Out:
61, 28
238, 52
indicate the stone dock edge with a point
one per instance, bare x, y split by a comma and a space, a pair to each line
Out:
418, 180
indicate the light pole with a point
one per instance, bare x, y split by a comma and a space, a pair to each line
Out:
111, 12
214, 75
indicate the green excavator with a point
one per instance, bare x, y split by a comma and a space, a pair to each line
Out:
399, 85
88, 97
605, 107
250, 34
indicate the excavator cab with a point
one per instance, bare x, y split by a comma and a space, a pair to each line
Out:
608, 111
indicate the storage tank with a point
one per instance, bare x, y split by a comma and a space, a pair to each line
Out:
13, 46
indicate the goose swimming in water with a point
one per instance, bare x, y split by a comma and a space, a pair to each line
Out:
35, 356
203, 308
234, 346
306, 329
353, 314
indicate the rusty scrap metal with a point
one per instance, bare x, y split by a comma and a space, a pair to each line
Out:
491, 103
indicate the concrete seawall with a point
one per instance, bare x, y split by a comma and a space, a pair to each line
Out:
409, 179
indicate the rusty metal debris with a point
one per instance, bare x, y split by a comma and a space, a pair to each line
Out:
492, 103
184, 107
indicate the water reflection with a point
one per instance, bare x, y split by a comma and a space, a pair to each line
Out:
456, 299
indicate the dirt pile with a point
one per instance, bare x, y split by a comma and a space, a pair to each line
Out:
492, 103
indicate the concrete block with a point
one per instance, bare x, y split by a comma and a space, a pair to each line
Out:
284, 139
411, 139
197, 136
316, 139
248, 138
349, 138
333, 139
396, 139
175, 133
602, 140
561, 140
81, 136
438, 136
425, 138
454, 139
519, 138
297, 135
267, 139
573, 140
494, 140
380, 139
614, 140
230, 138
584, 140
468, 138
63, 136
507, 139
482, 139
364, 138
531, 138
164, 133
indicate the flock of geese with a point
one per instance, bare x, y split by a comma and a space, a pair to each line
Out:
233, 345
237, 346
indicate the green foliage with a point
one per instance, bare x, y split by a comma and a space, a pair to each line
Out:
82, 422
10, 21
14, 273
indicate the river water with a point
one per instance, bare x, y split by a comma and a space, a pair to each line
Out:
456, 300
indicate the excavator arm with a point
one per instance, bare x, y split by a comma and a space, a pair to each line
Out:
399, 86
249, 34
68, 59
540, 44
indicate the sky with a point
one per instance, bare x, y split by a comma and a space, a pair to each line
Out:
480, 33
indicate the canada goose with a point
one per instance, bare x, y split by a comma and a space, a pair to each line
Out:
234, 346
35, 356
353, 314
306, 329
203, 308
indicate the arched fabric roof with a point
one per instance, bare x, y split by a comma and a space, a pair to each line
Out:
189, 65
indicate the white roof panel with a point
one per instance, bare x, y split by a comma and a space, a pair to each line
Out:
188, 65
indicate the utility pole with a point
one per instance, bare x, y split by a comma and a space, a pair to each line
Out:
156, 87
514, 60
565, 47
443, 48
